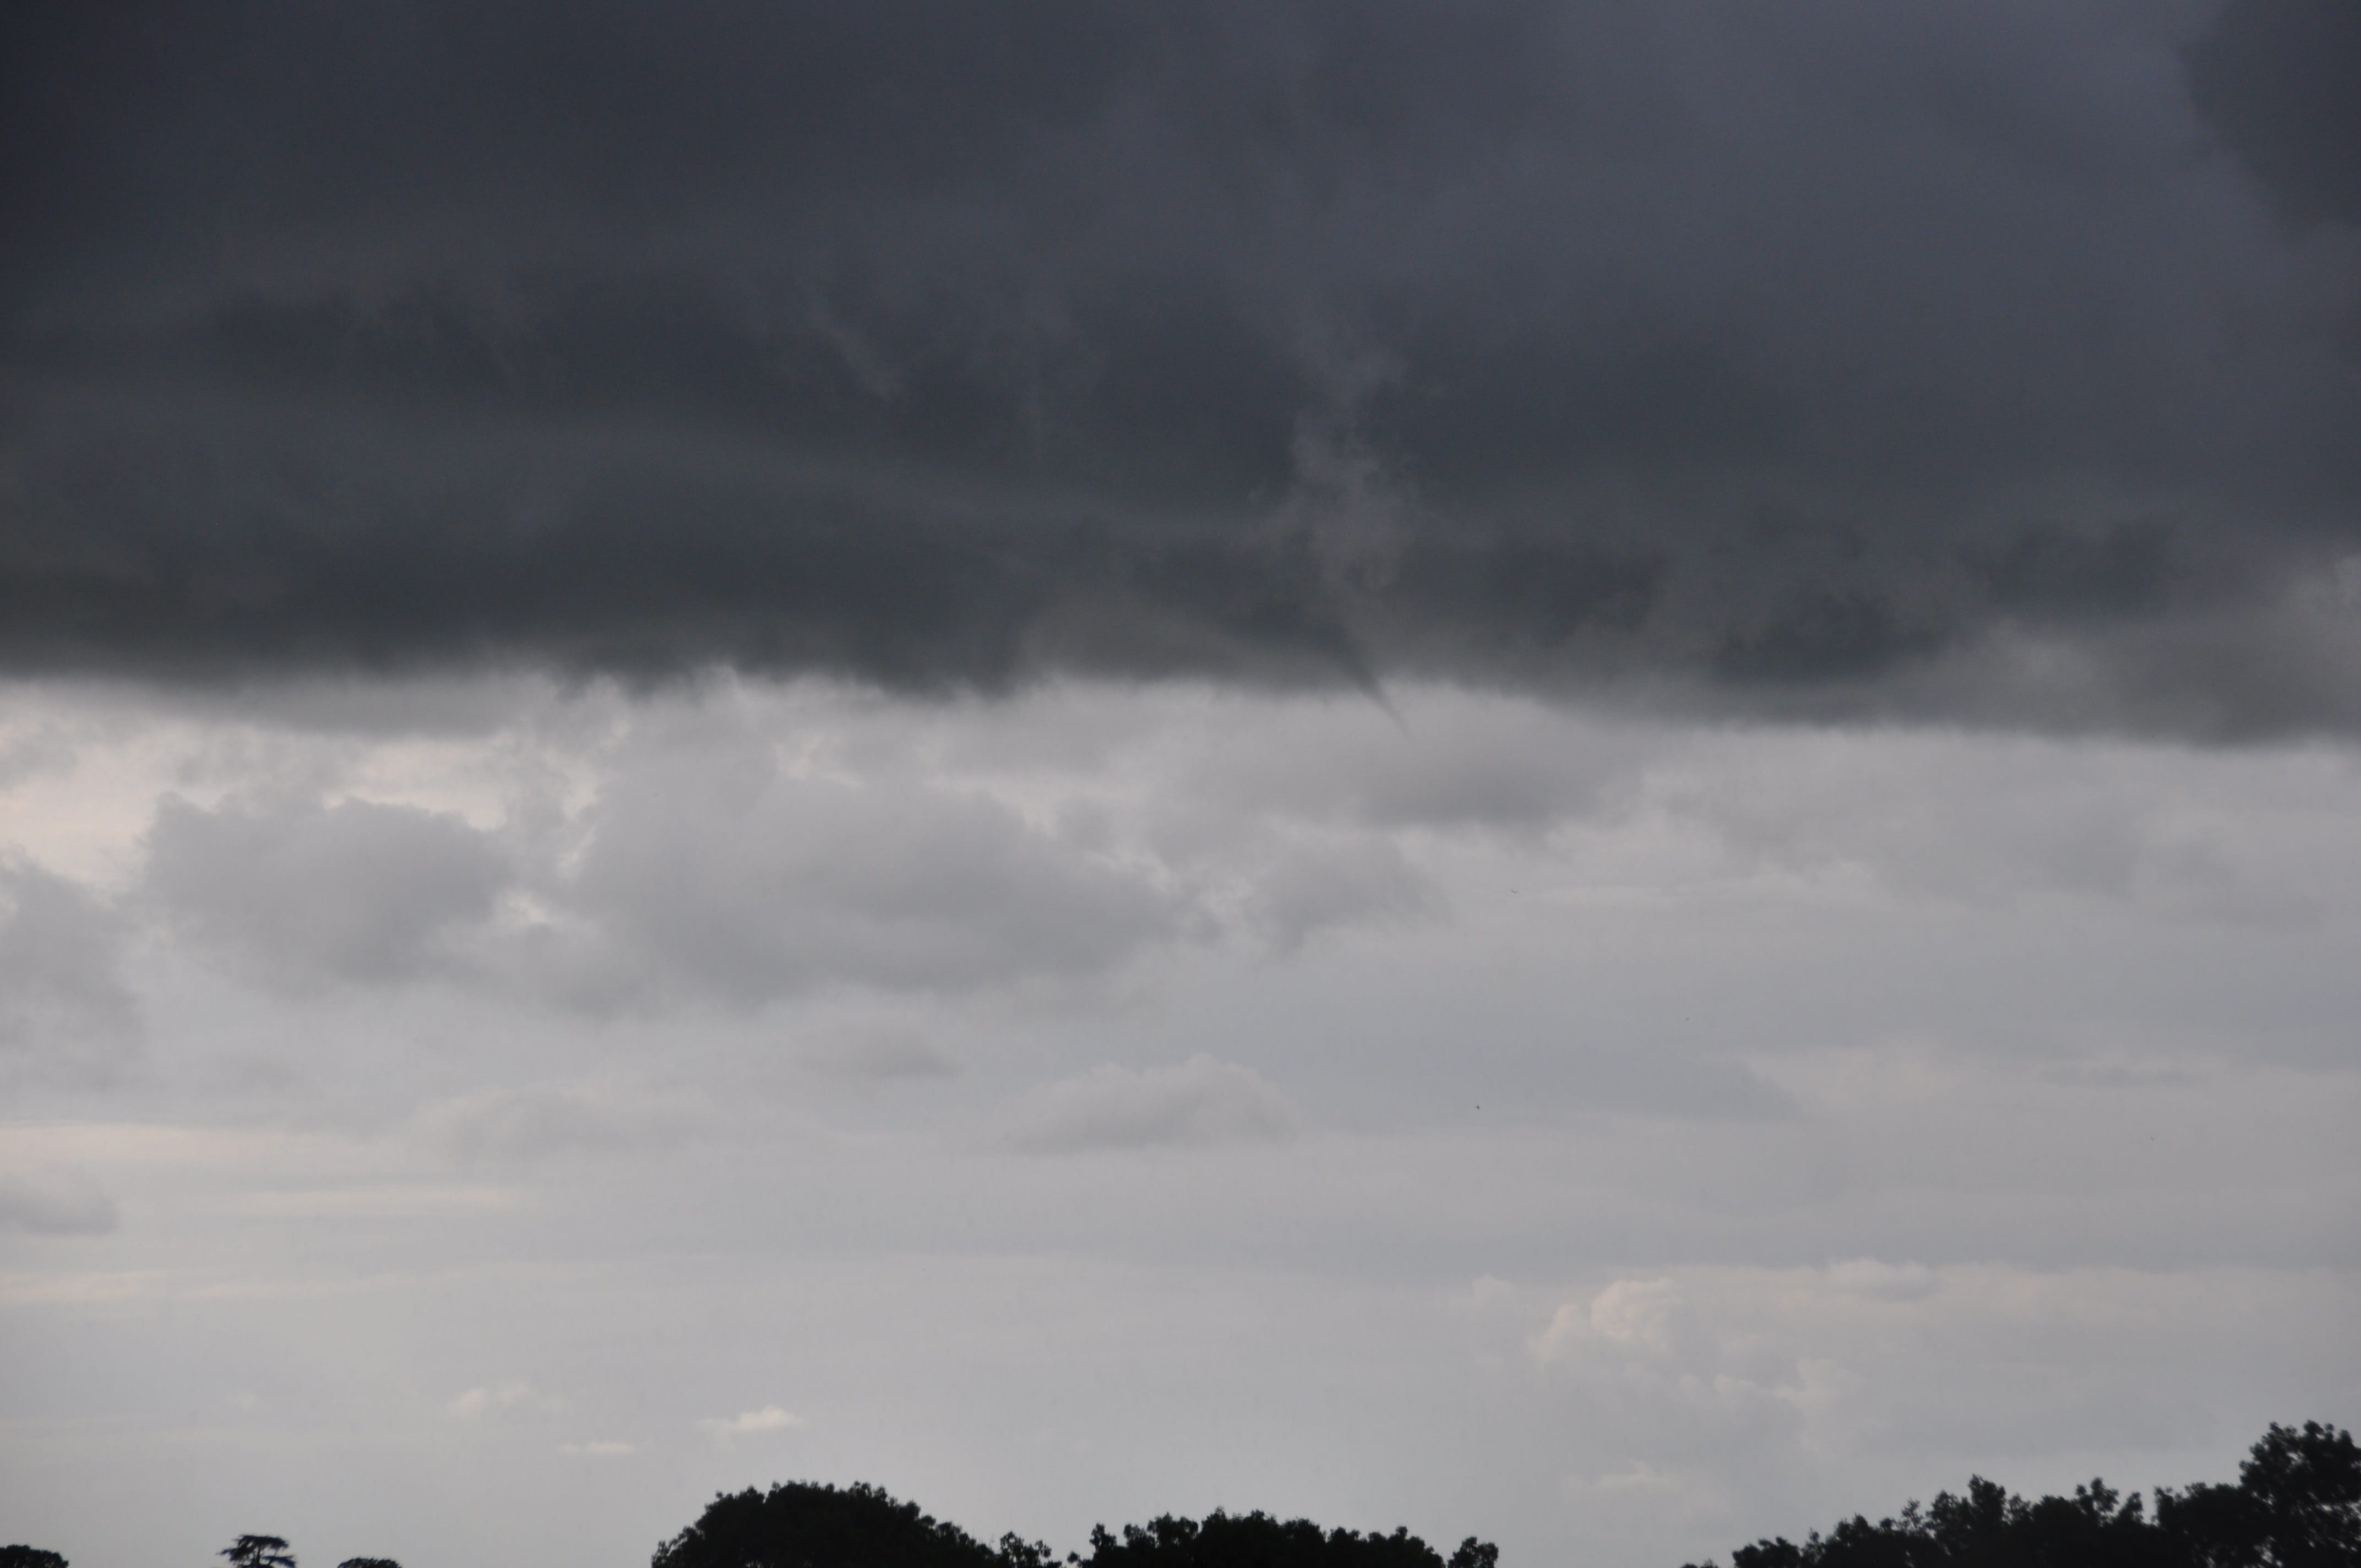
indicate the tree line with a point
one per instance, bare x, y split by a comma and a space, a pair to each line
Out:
2296, 1504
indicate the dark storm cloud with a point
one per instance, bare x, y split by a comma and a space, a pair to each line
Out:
1782, 352
2282, 81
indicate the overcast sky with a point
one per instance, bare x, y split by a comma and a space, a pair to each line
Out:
1584, 773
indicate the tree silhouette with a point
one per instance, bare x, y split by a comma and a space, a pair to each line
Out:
258, 1552
22, 1556
2297, 1505
1259, 1540
369, 1563
801, 1525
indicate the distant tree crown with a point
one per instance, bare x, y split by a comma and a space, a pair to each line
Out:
801, 1525
21, 1556
258, 1552
2297, 1505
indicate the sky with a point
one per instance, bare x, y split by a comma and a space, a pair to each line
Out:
1582, 773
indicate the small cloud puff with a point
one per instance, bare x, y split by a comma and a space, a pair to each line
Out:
1630, 1315
1201, 1102
478, 1402
751, 1423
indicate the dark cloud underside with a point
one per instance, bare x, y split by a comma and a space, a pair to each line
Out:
1783, 352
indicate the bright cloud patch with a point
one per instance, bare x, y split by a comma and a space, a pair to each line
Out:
487, 1400
769, 1419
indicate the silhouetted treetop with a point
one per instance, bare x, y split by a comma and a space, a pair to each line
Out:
2297, 1505
1259, 1540
22, 1556
804, 1525
369, 1563
258, 1552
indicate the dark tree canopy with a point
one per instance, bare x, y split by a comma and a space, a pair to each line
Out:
258, 1552
369, 1563
1259, 1540
802, 1525
21, 1556
2297, 1505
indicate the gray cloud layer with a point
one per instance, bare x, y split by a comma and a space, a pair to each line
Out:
64, 1010
1793, 357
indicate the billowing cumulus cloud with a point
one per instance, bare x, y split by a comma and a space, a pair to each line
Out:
1958, 359
748, 882
302, 893
751, 847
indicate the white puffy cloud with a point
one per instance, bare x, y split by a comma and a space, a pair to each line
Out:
1628, 1315
1751, 1371
770, 1418
488, 1399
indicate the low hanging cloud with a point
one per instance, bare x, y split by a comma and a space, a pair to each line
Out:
707, 861
1310, 886
1967, 361
707, 876
1202, 1102
750, 883
301, 892
65, 1010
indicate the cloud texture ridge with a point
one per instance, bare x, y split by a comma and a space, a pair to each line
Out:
1977, 361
